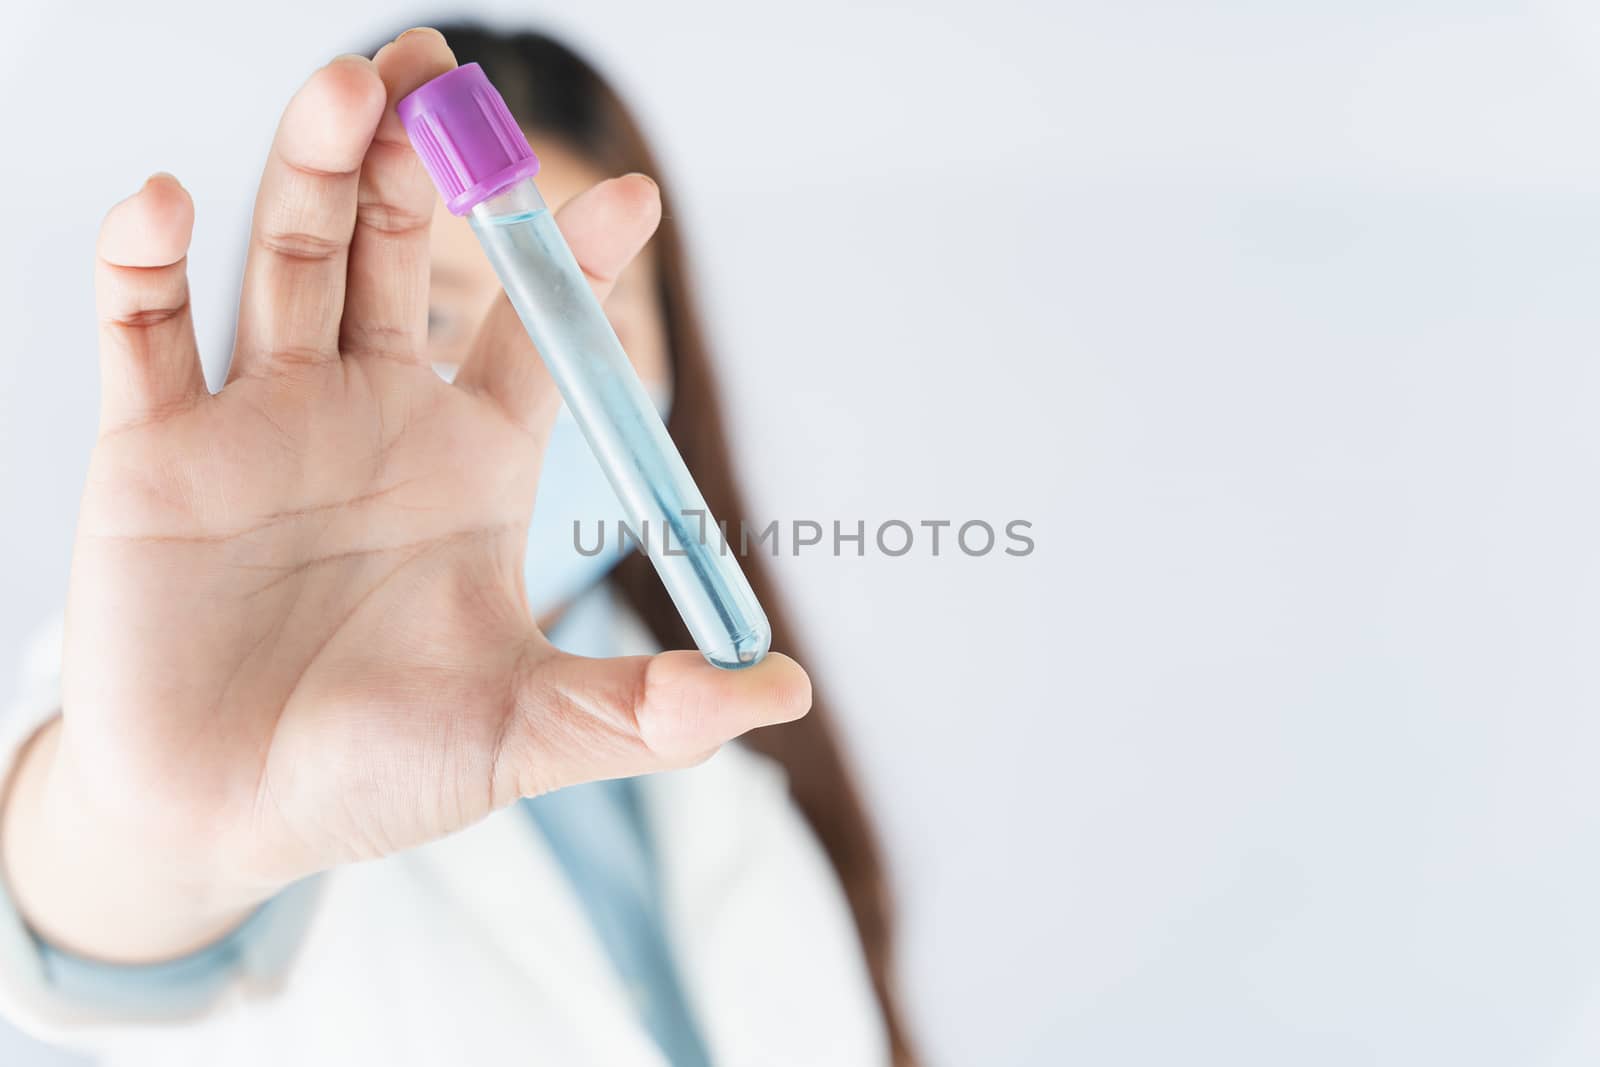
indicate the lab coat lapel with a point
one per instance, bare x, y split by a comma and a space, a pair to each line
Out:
504, 876
759, 923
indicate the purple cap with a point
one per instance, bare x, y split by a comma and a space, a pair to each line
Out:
462, 129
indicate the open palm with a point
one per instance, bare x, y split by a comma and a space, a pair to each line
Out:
296, 631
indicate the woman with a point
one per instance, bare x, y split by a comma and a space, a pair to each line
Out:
309, 625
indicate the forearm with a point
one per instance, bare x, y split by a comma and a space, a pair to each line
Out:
88, 888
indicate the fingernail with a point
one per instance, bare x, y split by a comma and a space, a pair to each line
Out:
350, 57
161, 174
419, 29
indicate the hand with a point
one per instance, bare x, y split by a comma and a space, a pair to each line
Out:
296, 635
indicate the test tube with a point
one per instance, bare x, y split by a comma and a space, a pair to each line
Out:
481, 163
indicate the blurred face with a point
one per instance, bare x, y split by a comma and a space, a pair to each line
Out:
463, 285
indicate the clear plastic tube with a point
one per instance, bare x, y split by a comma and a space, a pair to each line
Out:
664, 506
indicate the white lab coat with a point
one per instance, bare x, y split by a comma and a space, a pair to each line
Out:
475, 950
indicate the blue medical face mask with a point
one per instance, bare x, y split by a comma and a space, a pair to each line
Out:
572, 487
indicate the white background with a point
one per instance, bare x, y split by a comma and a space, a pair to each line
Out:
1278, 321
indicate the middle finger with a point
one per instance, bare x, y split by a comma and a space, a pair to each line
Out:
294, 277
386, 308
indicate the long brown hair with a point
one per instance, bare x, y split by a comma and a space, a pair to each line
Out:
554, 91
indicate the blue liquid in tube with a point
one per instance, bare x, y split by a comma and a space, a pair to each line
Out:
619, 420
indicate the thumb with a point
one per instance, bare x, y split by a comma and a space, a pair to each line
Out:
576, 719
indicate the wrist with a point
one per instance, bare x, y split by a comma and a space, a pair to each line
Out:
87, 885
